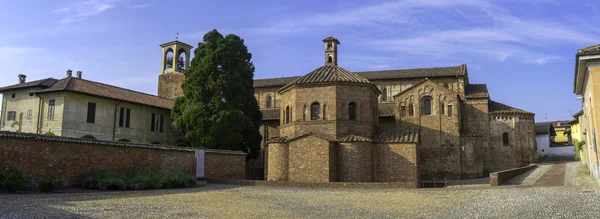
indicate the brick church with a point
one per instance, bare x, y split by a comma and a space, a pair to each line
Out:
409, 125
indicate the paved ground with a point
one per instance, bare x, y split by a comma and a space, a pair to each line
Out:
578, 198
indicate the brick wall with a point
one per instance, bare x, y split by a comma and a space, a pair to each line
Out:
396, 162
70, 158
309, 160
355, 161
169, 85
277, 161
68, 161
220, 164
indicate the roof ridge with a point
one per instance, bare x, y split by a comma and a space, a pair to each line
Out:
406, 69
139, 92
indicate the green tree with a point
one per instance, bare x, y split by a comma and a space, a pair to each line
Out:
218, 109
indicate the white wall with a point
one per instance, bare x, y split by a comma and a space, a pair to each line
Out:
547, 152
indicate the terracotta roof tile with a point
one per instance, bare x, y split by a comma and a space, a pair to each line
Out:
325, 74
386, 109
590, 50
270, 114
405, 135
277, 140
474, 91
495, 107
38, 83
354, 138
379, 75
107, 91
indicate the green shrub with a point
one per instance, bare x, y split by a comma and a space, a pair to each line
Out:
136, 181
49, 134
50, 184
579, 145
15, 179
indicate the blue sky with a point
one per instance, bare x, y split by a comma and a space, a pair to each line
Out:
524, 50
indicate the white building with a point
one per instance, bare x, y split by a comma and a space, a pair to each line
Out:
547, 148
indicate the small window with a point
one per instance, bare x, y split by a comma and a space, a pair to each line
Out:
91, 112
156, 123
352, 111
315, 111
329, 59
411, 110
29, 113
450, 110
324, 111
125, 115
505, 139
427, 106
12, 116
384, 94
269, 102
329, 45
13, 95
31, 94
402, 111
287, 115
51, 106
442, 108
446, 85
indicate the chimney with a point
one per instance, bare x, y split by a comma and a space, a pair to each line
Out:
22, 78
79, 74
69, 73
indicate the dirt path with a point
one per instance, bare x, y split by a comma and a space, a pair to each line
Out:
555, 176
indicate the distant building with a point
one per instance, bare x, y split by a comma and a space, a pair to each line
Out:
548, 148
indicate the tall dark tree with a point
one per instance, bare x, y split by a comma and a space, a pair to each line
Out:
218, 109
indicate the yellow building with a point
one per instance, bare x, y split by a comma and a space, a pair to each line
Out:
75, 107
587, 85
577, 136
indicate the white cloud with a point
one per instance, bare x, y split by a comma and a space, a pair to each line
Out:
81, 10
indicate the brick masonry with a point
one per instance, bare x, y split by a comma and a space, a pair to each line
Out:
70, 158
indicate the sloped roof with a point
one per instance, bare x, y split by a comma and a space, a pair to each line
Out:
354, 138
590, 50
277, 140
544, 127
578, 114
38, 83
405, 135
495, 107
331, 39
328, 73
386, 109
107, 91
270, 114
380, 75
475, 91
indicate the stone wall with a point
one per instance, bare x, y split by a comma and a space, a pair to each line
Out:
277, 164
471, 159
221, 164
476, 122
521, 149
500, 177
396, 162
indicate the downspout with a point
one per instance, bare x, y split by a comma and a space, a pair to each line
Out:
39, 117
3, 111
115, 121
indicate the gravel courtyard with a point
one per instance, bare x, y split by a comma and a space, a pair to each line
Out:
578, 198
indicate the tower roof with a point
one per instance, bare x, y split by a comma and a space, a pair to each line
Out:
328, 39
329, 73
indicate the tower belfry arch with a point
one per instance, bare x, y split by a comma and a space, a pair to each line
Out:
175, 60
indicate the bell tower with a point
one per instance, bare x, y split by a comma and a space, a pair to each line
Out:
331, 44
175, 61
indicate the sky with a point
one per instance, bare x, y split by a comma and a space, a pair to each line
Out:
524, 50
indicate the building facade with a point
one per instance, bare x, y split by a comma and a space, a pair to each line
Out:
75, 107
586, 85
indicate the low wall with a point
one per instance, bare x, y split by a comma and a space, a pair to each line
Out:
498, 178
70, 158
341, 185
222, 164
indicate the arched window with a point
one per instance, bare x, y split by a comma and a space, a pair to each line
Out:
352, 111
403, 111
411, 110
304, 113
442, 108
329, 59
269, 102
315, 111
384, 94
426, 109
324, 111
505, 139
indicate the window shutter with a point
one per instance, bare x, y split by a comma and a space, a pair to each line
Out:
160, 123
121, 117
91, 114
128, 118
